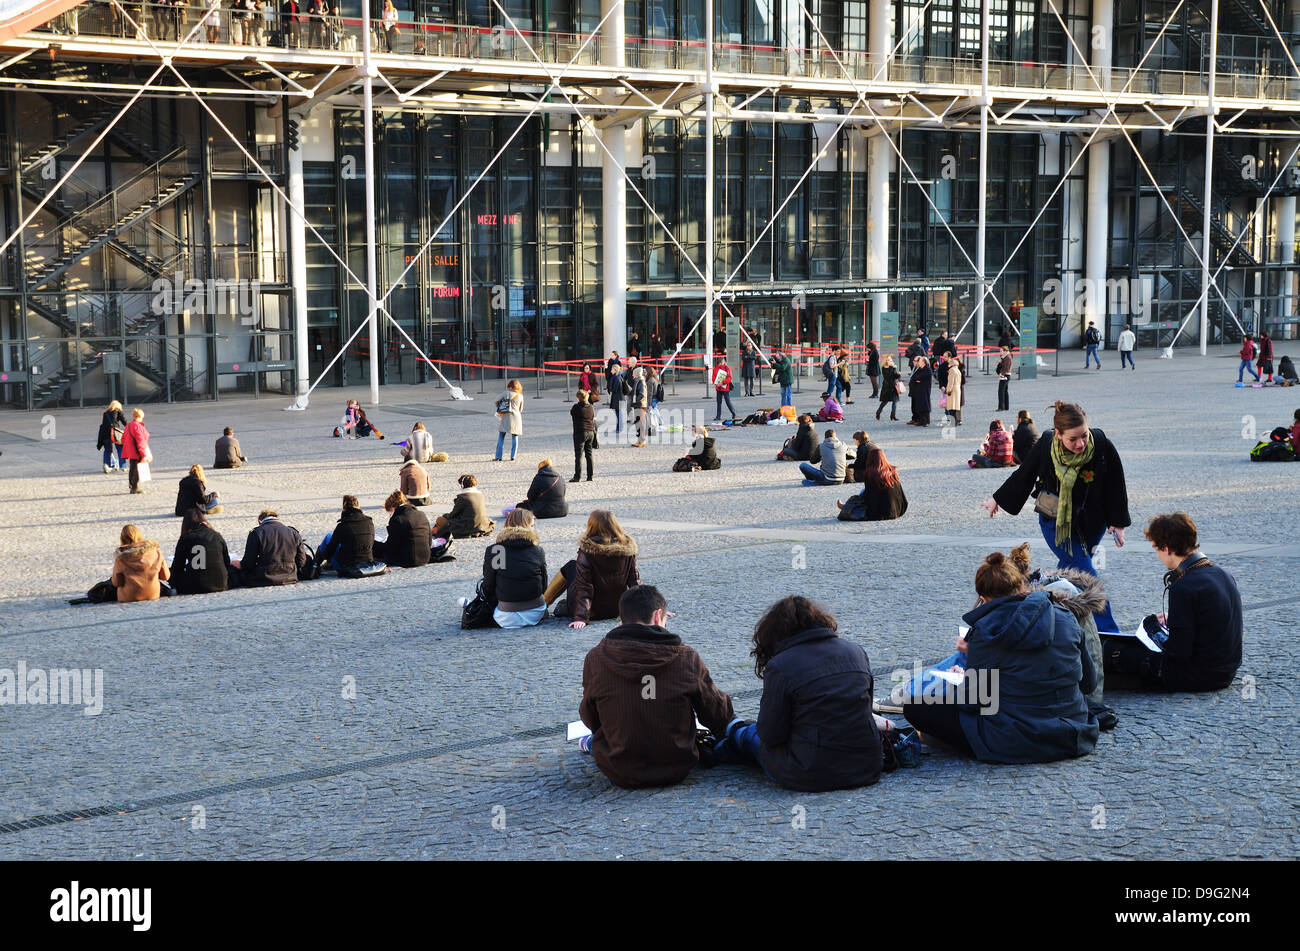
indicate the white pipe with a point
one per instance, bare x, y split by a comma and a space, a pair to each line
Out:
708, 183
368, 117
878, 34
1095, 258
1209, 173
980, 234
298, 269
613, 196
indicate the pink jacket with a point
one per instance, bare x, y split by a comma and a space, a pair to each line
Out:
135, 441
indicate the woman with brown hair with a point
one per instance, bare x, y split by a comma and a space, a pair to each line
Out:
1077, 479
138, 568
468, 515
815, 728
192, 493
881, 498
596, 579
1020, 698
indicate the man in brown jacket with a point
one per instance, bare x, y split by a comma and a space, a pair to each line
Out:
228, 453
642, 689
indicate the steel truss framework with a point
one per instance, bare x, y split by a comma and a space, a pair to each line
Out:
1082, 101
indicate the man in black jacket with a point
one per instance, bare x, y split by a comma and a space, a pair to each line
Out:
1202, 647
273, 554
584, 434
409, 534
353, 540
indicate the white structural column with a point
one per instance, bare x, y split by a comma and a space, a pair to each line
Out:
368, 119
1095, 257
1286, 206
982, 194
298, 269
710, 226
1209, 176
878, 157
613, 196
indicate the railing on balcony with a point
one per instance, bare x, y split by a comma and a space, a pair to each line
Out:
1270, 78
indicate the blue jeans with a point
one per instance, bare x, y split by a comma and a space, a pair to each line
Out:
928, 683
742, 747
501, 442
1090, 356
787, 394
1246, 365
109, 460
334, 559
724, 395
618, 417
1080, 559
1126, 356
813, 475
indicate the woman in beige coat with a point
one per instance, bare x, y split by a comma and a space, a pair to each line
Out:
956, 375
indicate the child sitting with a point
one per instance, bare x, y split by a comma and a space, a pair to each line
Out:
995, 452
642, 690
831, 410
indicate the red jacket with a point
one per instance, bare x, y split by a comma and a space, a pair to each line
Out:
1247, 350
1265, 349
135, 441
718, 374
998, 446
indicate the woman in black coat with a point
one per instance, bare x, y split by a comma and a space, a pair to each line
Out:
353, 540
889, 387
1080, 464
111, 428
873, 369
919, 389
584, 432
815, 728
201, 564
546, 493
192, 493
1023, 439
409, 534
802, 444
705, 455
514, 573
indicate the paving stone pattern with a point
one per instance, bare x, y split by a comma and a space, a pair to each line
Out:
230, 707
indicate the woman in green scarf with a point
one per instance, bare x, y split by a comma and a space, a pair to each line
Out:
1077, 479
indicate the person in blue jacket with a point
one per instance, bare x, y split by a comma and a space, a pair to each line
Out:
1021, 698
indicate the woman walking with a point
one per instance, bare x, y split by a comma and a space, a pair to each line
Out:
110, 436
1076, 476
510, 409
873, 369
919, 388
890, 378
135, 449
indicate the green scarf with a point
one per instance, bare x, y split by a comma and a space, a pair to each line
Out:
1067, 465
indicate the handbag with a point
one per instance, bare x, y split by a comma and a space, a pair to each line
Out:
142, 472
900, 747
1046, 503
899, 387
477, 612
943, 400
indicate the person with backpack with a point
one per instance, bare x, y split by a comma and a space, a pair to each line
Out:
596, 579
510, 409
584, 434
201, 564
638, 743
815, 730
1076, 478
1247, 354
783, 376
1195, 644
889, 394
351, 543
722, 381
1091, 341
830, 370
1264, 362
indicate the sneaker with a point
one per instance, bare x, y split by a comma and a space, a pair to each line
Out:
1106, 718
575, 479
584, 744
107, 468
887, 706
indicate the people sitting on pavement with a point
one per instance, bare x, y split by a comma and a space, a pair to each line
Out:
192, 493
201, 564
833, 463
995, 452
409, 534
228, 454
352, 542
1020, 690
545, 497
514, 573
831, 410
1195, 644
862, 445
703, 454
802, 446
413, 480
419, 445
637, 743
881, 498
364, 426
596, 579
815, 728
138, 567
1024, 438
468, 515
273, 554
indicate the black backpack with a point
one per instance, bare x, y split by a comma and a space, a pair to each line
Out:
311, 570
1093, 335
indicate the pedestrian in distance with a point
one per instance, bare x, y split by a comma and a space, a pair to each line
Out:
873, 368
109, 440
783, 376
1004, 380
584, 434
1264, 361
135, 450
954, 394
722, 382
1091, 341
890, 378
509, 410
1247, 354
919, 389
748, 360
1127, 341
